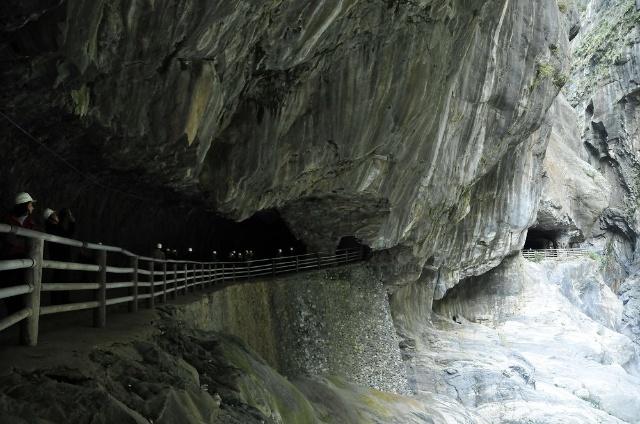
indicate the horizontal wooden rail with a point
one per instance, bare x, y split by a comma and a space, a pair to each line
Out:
15, 318
555, 254
147, 279
16, 264
69, 286
53, 309
119, 270
15, 291
70, 266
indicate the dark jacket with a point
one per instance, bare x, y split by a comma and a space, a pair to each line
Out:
60, 252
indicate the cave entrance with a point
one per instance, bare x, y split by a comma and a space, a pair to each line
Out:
538, 239
352, 242
265, 234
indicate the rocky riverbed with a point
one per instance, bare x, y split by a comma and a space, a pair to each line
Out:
531, 342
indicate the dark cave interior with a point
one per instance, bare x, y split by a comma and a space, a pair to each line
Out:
541, 239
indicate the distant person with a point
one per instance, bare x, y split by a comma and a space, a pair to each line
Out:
51, 221
13, 246
214, 256
61, 224
158, 253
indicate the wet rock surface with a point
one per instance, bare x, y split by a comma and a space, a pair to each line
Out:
528, 342
168, 372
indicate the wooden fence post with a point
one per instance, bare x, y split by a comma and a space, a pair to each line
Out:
233, 270
29, 327
152, 287
273, 266
318, 257
133, 306
184, 276
297, 263
196, 275
175, 281
164, 282
100, 314
193, 278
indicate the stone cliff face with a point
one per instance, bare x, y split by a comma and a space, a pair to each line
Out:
574, 193
591, 193
528, 342
603, 90
411, 125
430, 129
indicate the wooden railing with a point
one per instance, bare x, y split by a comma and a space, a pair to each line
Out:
146, 279
556, 254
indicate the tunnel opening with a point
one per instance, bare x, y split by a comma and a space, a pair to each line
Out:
352, 242
538, 239
264, 235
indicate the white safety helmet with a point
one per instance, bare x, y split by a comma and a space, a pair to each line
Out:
23, 198
47, 213
190, 250
159, 245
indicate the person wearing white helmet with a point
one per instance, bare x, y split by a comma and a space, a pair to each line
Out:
21, 213
158, 253
51, 220
16, 247
62, 224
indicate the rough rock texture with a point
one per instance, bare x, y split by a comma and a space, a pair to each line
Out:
404, 123
321, 323
574, 193
181, 375
518, 345
630, 295
603, 89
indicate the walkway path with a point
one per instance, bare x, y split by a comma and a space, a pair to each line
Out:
557, 254
146, 279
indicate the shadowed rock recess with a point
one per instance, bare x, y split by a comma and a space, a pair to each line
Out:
444, 135
411, 124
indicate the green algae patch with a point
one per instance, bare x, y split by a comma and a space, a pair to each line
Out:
339, 401
81, 99
263, 388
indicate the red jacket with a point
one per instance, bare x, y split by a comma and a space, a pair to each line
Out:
13, 246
